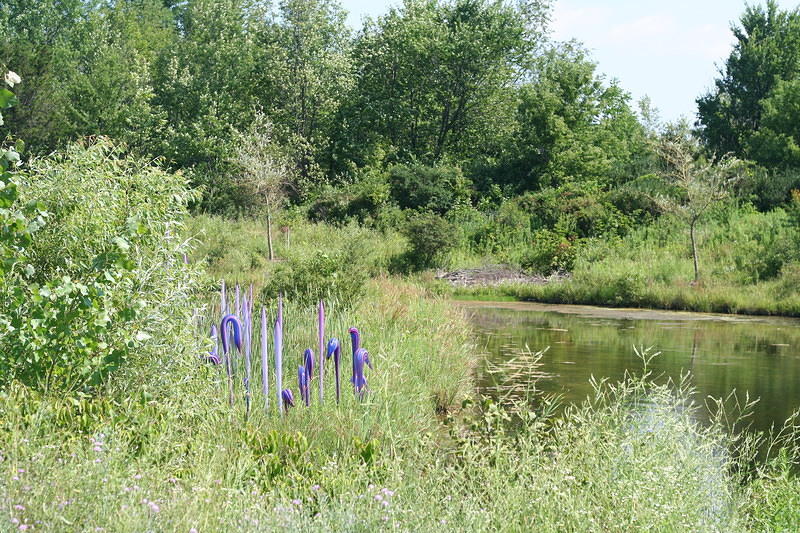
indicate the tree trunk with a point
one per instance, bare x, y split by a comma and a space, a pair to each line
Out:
269, 236
694, 251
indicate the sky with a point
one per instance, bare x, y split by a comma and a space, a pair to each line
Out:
668, 50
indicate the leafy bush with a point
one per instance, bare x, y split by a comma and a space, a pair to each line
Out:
363, 200
431, 238
306, 280
437, 189
101, 280
550, 251
586, 208
338, 271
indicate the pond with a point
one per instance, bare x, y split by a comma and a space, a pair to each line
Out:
755, 355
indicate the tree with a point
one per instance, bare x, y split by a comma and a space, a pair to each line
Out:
697, 183
434, 79
265, 171
570, 126
766, 51
310, 69
87, 67
776, 144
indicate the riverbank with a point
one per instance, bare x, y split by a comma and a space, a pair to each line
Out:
761, 299
158, 448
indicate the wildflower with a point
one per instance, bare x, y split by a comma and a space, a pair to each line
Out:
385, 503
23, 527
137, 476
154, 507
388, 492
97, 449
12, 78
19, 507
193, 530
297, 502
315, 487
15, 521
378, 497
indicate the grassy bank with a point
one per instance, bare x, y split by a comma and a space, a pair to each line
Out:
749, 265
157, 448
160, 448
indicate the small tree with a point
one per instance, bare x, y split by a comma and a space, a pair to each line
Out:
698, 183
266, 173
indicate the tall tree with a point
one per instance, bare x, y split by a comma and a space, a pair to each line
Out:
766, 51
570, 126
434, 78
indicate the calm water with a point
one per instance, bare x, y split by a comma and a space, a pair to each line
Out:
749, 354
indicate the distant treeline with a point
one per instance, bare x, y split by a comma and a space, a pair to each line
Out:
473, 89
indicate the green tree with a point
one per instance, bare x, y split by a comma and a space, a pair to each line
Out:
310, 69
697, 183
434, 78
570, 126
776, 144
766, 51
87, 67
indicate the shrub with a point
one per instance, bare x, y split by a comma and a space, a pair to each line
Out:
101, 280
550, 251
328, 276
587, 209
437, 189
363, 201
431, 238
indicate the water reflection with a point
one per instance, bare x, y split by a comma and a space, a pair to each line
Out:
752, 355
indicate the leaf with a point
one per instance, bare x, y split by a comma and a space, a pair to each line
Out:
7, 99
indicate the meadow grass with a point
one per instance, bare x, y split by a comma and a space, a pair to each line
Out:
158, 448
631, 458
237, 251
749, 265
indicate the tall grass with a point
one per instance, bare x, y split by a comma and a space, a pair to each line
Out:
631, 458
158, 448
749, 265
236, 250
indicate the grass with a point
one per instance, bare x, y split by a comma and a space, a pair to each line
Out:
236, 250
631, 458
159, 449
750, 264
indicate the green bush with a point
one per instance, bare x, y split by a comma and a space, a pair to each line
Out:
102, 279
437, 189
549, 252
362, 201
321, 276
585, 206
430, 238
